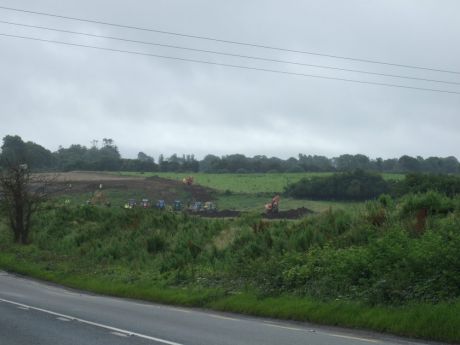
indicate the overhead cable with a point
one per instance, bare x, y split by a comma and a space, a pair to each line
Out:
208, 38
230, 65
229, 54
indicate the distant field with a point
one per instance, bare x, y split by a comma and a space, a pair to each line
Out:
245, 183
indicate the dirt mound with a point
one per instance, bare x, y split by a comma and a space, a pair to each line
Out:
289, 214
154, 188
217, 214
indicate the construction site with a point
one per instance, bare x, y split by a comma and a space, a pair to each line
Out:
110, 190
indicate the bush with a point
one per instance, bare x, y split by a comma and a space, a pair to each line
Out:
357, 185
422, 183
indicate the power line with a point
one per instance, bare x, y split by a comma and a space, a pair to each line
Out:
230, 54
207, 38
230, 65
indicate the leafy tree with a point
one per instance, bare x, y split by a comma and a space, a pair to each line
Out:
141, 156
14, 151
408, 164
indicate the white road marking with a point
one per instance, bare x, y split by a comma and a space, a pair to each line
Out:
110, 328
62, 319
178, 309
274, 324
23, 308
350, 337
222, 317
119, 334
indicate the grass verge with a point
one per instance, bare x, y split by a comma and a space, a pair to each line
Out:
428, 321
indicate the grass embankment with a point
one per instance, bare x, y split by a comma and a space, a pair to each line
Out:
378, 268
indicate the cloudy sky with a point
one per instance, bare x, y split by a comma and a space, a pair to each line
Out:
59, 95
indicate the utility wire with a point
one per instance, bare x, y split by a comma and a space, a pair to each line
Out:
229, 41
228, 54
229, 65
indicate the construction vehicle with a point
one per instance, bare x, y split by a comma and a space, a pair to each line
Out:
177, 205
131, 203
161, 204
273, 206
197, 206
209, 206
188, 180
145, 203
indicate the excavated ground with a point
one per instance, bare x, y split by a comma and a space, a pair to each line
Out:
153, 188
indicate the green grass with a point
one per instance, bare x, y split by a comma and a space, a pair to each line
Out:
436, 322
245, 183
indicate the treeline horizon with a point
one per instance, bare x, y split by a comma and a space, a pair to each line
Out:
108, 158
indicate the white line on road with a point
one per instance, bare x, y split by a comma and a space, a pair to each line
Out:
352, 338
119, 334
222, 317
62, 319
274, 324
110, 328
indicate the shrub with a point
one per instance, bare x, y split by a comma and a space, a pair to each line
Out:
356, 185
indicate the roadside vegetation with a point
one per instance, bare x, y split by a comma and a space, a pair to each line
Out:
390, 265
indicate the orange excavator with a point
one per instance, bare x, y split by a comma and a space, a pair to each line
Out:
273, 206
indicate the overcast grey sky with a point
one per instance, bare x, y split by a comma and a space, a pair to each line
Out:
59, 95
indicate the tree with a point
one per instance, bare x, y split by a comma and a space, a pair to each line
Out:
21, 195
409, 164
14, 150
141, 156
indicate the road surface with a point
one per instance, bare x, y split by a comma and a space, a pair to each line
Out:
33, 312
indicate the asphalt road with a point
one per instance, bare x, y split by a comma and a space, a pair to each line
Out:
33, 312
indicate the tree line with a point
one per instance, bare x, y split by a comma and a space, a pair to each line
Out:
105, 156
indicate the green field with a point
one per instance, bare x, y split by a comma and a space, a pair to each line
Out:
245, 183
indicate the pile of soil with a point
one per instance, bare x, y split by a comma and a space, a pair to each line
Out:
154, 188
217, 214
289, 214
